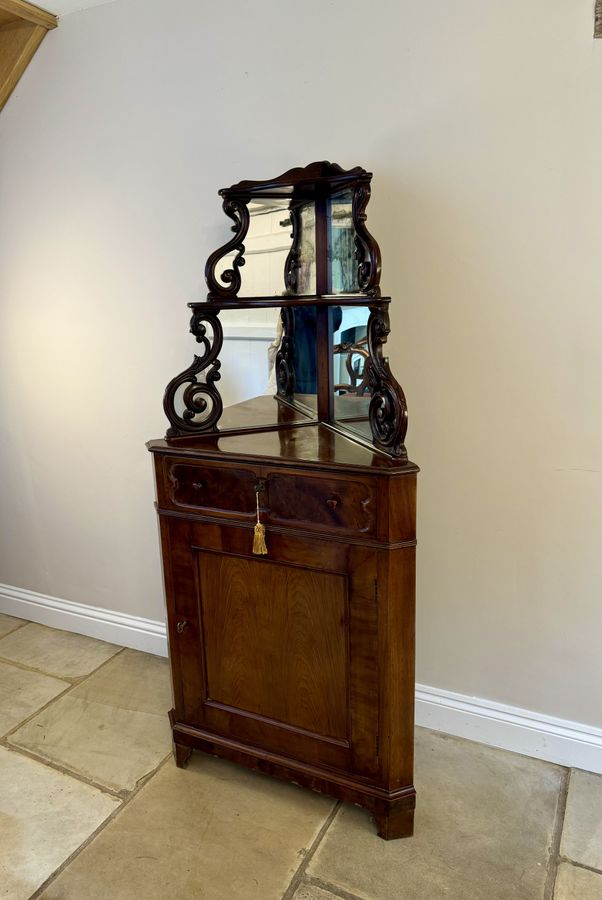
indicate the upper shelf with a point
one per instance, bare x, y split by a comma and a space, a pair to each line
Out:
312, 222
275, 302
317, 177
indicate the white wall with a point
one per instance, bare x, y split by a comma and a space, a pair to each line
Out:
483, 125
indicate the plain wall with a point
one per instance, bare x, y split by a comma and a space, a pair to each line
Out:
482, 122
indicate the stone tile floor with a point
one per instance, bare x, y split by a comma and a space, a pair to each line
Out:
92, 806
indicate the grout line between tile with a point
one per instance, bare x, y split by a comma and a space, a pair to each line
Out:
121, 794
22, 622
19, 665
298, 875
77, 776
579, 865
119, 809
70, 686
73, 680
334, 889
550, 885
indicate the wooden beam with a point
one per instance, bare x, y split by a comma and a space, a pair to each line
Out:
6, 17
22, 29
18, 43
19, 9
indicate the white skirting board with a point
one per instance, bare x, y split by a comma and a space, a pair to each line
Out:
485, 721
103, 624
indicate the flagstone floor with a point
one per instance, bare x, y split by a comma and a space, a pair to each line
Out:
92, 806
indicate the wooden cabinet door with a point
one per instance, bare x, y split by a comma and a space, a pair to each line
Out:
278, 652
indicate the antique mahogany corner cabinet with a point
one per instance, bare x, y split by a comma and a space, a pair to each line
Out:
288, 520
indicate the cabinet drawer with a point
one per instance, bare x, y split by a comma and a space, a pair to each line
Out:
210, 488
308, 502
321, 503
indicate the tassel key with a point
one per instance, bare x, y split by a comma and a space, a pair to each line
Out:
259, 544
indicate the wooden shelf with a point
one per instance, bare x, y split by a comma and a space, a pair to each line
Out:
277, 301
23, 26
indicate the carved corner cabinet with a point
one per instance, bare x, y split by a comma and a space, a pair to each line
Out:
288, 520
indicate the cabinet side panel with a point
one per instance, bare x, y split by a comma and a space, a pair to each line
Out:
397, 508
397, 575
364, 662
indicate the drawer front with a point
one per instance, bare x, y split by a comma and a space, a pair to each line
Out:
211, 488
321, 503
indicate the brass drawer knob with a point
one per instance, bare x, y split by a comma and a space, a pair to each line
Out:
182, 624
332, 504
198, 485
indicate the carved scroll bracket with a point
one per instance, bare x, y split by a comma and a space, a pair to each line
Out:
236, 208
388, 412
198, 396
367, 251
285, 358
291, 265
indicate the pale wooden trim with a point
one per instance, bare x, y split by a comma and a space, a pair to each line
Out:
30, 13
5, 18
18, 43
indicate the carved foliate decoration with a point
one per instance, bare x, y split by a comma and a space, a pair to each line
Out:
285, 358
388, 412
236, 209
198, 396
367, 251
291, 265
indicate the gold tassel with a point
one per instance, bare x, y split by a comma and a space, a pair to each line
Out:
259, 545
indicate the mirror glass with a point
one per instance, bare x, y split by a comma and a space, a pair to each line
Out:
267, 245
302, 322
341, 245
350, 353
252, 340
306, 257
269, 241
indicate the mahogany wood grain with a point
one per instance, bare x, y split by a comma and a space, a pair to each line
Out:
218, 488
312, 445
300, 678
321, 502
300, 663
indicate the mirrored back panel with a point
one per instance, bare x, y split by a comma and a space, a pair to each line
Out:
267, 245
350, 384
251, 346
342, 262
296, 362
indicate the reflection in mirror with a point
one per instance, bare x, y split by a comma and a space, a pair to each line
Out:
252, 339
349, 376
306, 250
305, 358
267, 245
295, 362
341, 244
